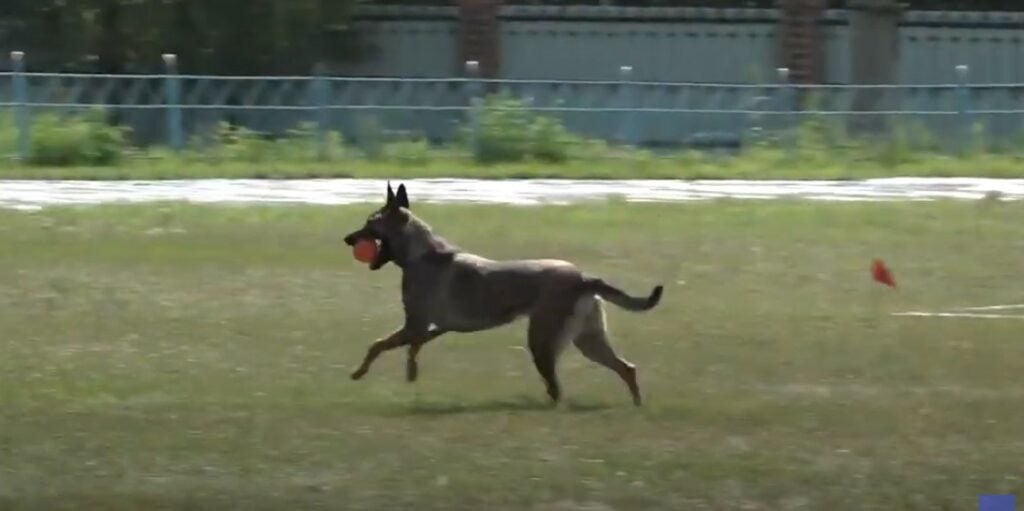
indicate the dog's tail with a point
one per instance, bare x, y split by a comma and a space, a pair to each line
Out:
620, 298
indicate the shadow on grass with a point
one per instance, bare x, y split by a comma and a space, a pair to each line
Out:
428, 408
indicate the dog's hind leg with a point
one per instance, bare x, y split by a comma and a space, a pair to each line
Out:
550, 329
592, 341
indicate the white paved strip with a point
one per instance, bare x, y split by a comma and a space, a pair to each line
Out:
30, 194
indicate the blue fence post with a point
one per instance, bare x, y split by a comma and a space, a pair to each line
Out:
320, 93
963, 107
19, 88
627, 101
785, 100
172, 92
476, 100
752, 129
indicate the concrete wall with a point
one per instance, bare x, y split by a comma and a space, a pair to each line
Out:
683, 44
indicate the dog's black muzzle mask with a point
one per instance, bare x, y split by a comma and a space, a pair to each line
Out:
384, 255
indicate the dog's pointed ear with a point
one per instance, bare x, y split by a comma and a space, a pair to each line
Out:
391, 195
402, 197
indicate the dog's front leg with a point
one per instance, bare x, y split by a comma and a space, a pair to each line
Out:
412, 369
397, 339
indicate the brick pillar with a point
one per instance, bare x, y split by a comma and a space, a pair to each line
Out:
802, 40
480, 36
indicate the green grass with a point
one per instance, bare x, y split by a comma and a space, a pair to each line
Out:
192, 357
513, 145
758, 163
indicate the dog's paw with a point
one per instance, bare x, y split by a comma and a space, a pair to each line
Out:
359, 373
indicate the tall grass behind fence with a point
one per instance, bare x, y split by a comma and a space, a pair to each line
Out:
95, 119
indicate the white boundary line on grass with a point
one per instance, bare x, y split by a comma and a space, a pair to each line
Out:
971, 315
992, 307
974, 312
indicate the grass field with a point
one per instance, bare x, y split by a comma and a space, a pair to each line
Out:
817, 163
513, 142
187, 357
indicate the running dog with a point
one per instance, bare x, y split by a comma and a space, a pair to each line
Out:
446, 289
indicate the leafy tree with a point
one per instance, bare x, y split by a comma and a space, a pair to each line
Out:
210, 36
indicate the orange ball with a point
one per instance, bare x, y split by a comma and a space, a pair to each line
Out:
365, 251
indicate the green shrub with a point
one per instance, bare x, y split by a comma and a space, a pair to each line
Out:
550, 140
412, 152
83, 139
8, 135
509, 132
370, 135
240, 144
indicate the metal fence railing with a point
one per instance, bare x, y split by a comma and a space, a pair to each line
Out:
172, 109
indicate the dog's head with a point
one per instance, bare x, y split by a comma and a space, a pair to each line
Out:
386, 225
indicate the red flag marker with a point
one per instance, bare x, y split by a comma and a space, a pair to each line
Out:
881, 273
